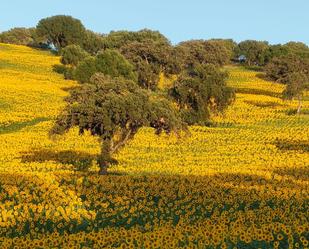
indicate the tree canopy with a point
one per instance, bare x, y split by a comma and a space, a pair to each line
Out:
196, 52
279, 68
93, 42
110, 62
292, 70
19, 36
61, 30
296, 84
118, 39
73, 55
199, 91
256, 52
150, 58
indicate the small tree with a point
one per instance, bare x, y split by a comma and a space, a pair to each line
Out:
296, 84
19, 36
61, 30
114, 110
72, 55
111, 62
200, 91
85, 70
108, 62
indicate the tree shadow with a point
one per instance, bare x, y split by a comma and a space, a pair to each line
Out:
263, 76
268, 104
250, 180
68, 88
297, 173
80, 160
300, 145
257, 92
254, 68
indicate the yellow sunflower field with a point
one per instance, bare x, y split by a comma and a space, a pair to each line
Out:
241, 183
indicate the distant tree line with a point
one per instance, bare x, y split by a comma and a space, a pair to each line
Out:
119, 75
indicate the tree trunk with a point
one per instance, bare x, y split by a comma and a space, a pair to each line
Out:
104, 158
299, 105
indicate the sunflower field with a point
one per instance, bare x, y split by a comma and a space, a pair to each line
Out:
243, 182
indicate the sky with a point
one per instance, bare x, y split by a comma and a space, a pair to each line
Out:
276, 21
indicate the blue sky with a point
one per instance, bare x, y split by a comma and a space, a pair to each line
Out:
277, 21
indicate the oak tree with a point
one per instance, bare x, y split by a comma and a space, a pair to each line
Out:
114, 109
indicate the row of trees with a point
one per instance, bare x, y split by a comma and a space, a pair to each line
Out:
65, 30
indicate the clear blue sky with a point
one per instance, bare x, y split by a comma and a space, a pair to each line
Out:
276, 21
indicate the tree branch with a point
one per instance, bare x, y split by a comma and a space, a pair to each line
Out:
121, 142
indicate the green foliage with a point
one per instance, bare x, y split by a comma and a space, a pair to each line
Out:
114, 109
85, 70
108, 62
297, 48
293, 70
118, 39
194, 52
59, 68
72, 55
290, 49
228, 44
256, 52
61, 30
296, 84
200, 91
68, 72
150, 58
19, 36
277, 50
93, 42
111, 62
281, 67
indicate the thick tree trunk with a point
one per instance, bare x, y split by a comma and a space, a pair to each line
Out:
108, 147
104, 158
299, 105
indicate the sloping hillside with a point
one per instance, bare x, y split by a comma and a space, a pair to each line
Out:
250, 171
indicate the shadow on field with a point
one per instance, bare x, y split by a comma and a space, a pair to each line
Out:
268, 104
80, 160
263, 76
244, 90
297, 173
251, 179
15, 127
300, 145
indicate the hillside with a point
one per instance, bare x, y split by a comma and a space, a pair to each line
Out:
234, 181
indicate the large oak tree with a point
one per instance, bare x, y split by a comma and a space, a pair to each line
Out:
114, 109
61, 30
